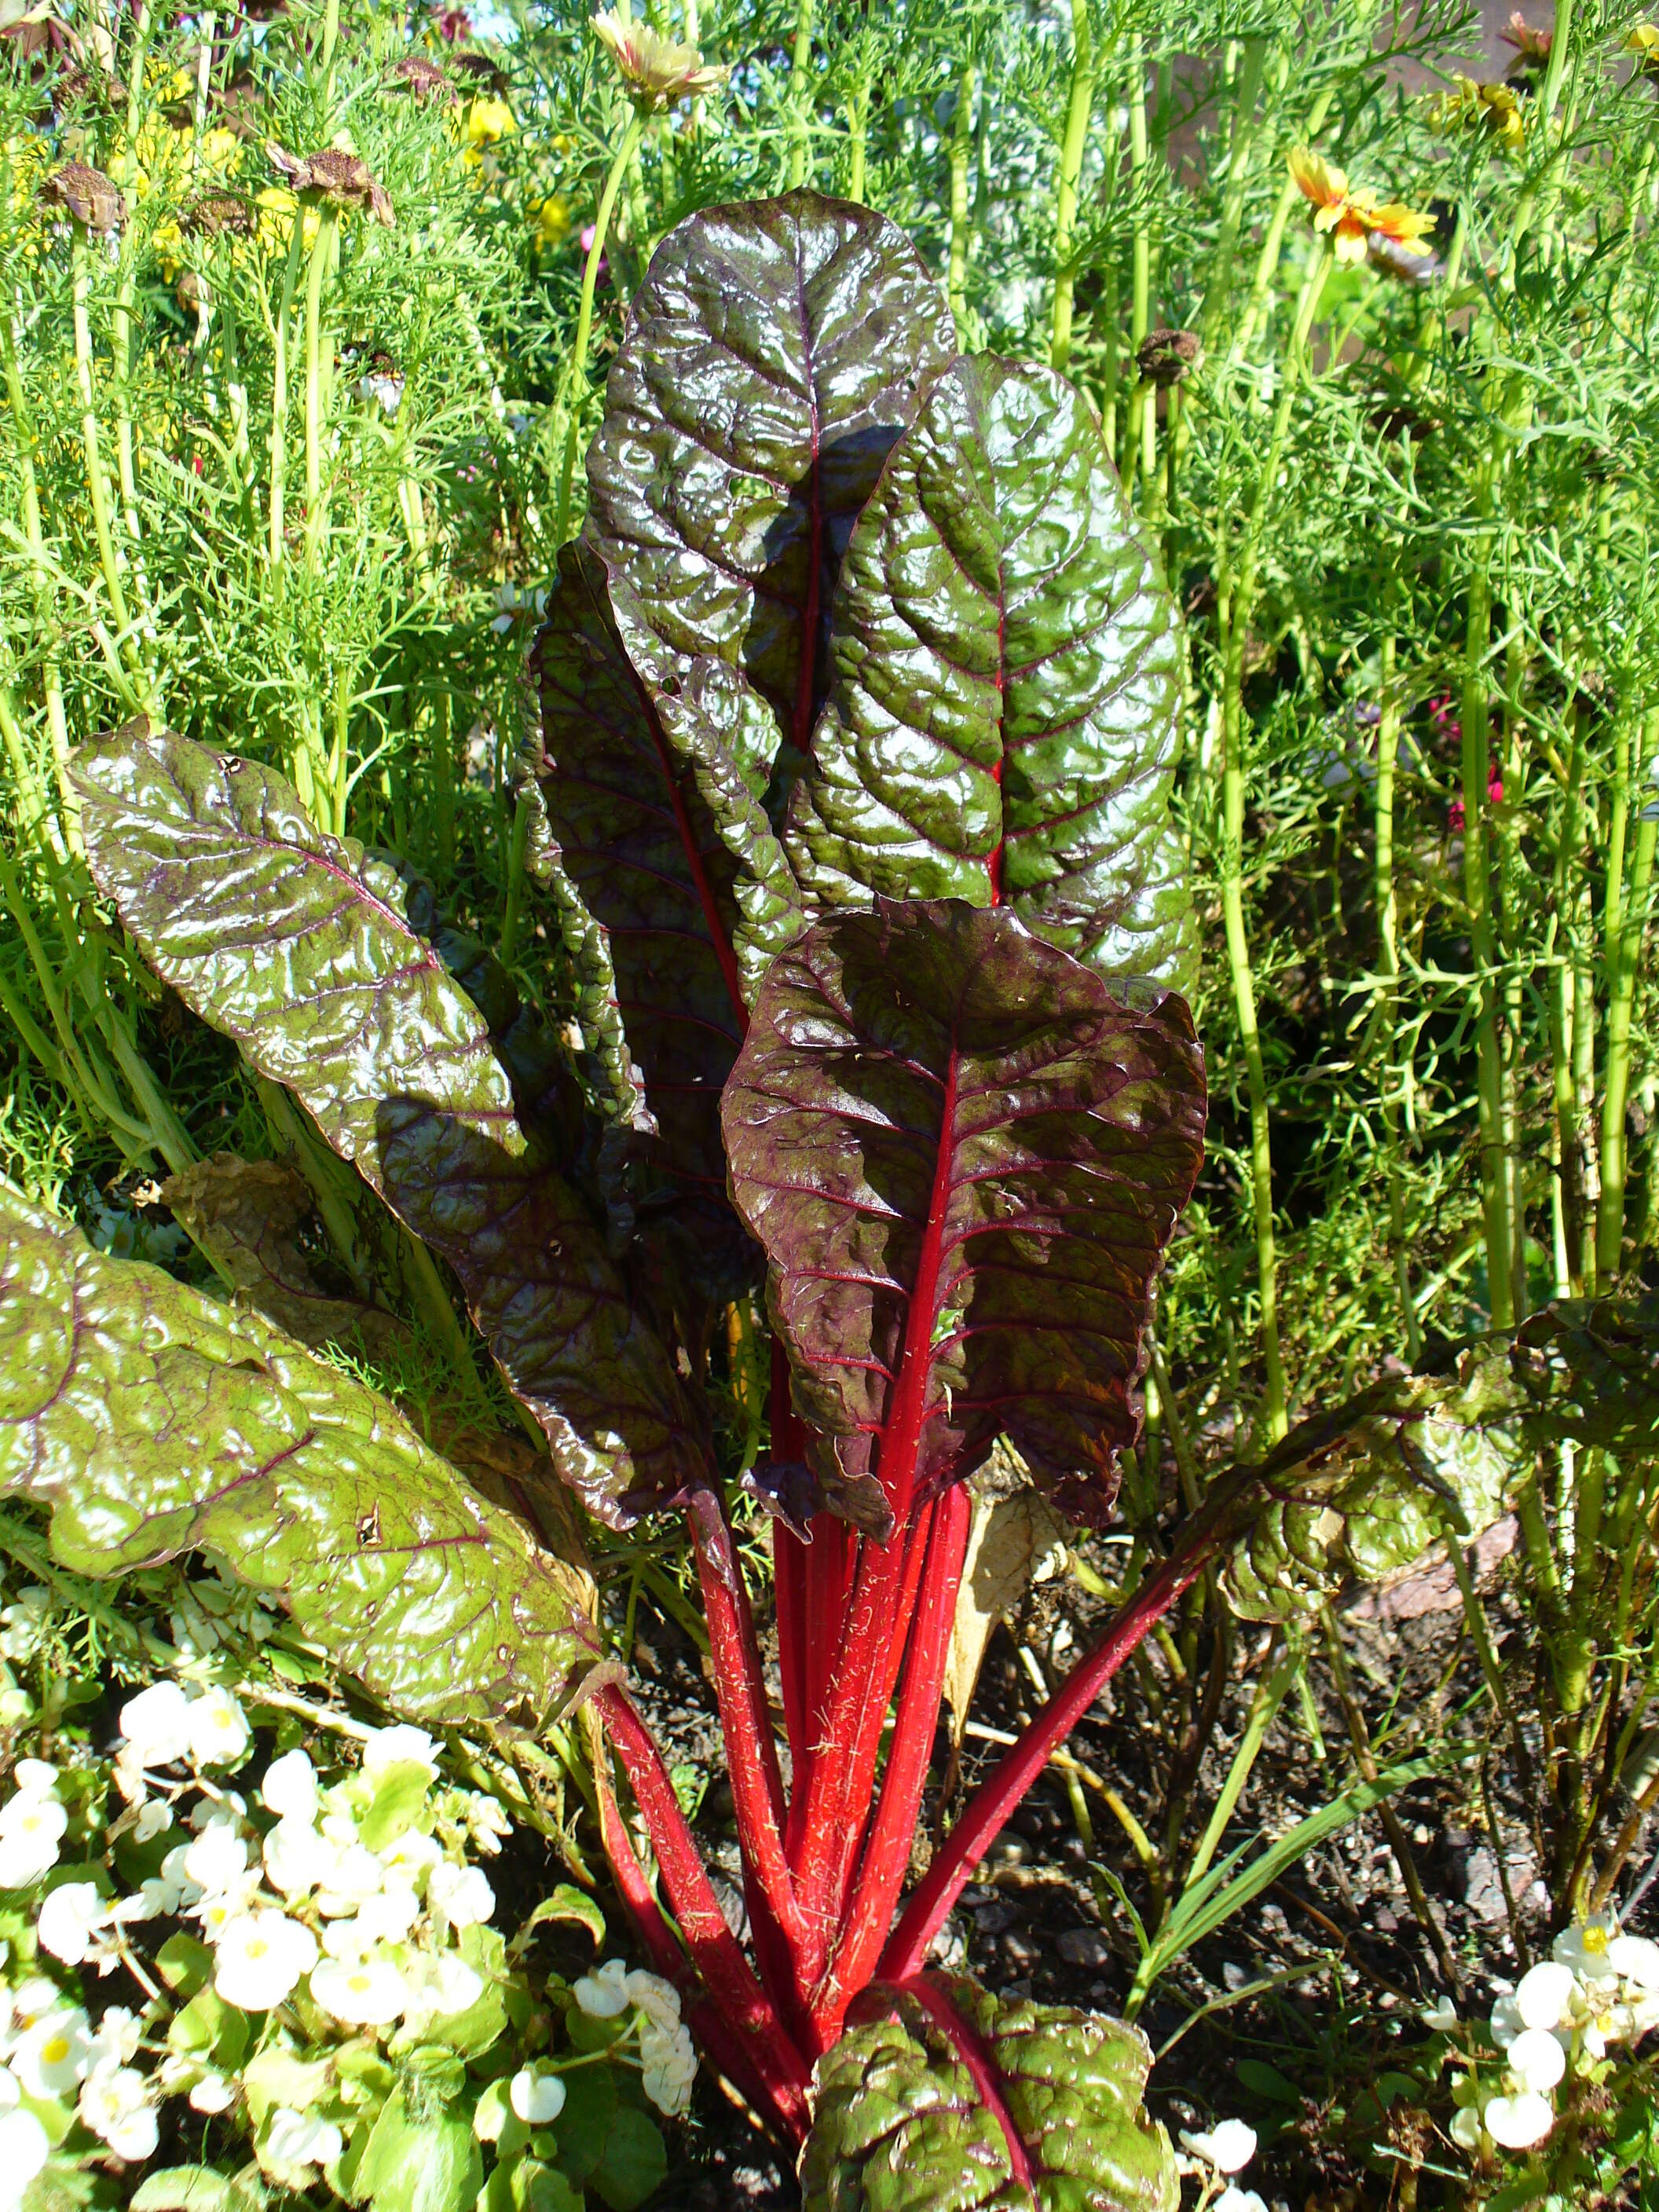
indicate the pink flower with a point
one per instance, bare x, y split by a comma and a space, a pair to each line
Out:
452, 25
1454, 815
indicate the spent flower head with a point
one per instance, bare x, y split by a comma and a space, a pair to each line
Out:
338, 178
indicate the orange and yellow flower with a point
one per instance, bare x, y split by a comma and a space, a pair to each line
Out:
1353, 217
1494, 108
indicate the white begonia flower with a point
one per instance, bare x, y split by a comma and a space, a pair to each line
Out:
538, 2097
289, 1789
31, 1829
1583, 1949
224, 1805
24, 2151
173, 1871
215, 1911
1230, 2199
1228, 2145
218, 1857
128, 1775
411, 1856
297, 1859
603, 1995
1537, 2059
49, 2056
33, 2000
35, 1776
362, 1992
154, 1819
219, 1730
356, 1874
70, 1920
262, 1957
386, 1919
156, 1723
1518, 2123
1544, 1994
668, 2062
115, 2040
1636, 1958
300, 2139
487, 1824
448, 1985
23, 1624
1441, 2016
462, 1894
1465, 2127
113, 2105
398, 1746
214, 2092
657, 1999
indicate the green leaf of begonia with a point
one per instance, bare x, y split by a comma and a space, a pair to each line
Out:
154, 1421
1001, 719
419, 2165
774, 352
945, 2098
298, 945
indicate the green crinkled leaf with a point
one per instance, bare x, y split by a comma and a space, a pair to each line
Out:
773, 353
1358, 1494
1001, 718
300, 946
905, 2121
152, 1421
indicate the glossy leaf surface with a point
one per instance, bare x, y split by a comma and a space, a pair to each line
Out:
773, 353
299, 946
152, 1421
1001, 718
917, 2106
1358, 1494
964, 1159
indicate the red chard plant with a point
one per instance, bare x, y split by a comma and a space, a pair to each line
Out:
859, 693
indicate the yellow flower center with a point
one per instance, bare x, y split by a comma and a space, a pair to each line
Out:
1596, 1941
56, 2051
257, 1949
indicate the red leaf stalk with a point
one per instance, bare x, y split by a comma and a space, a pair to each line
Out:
867, 1912
724, 1973
988, 1808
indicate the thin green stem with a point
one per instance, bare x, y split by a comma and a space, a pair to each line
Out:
576, 377
1624, 921
1080, 99
279, 384
316, 274
137, 689
961, 148
801, 118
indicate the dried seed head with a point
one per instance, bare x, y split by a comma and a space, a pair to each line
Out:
1165, 357
217, 216
424, 79
88, 194
344, 180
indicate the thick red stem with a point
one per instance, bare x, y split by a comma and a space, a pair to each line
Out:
789, 1563
988, 1808
657, 1940
886, 1857
878, 1624
724, 1973
746, 1718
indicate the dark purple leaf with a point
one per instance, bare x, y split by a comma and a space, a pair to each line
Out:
638, 843
299, 946
964, 1157
1001, 719
774, 351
